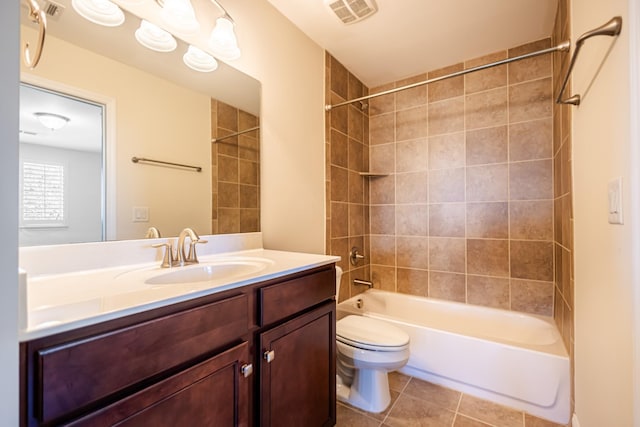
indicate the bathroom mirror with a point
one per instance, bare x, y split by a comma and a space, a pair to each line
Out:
155, 107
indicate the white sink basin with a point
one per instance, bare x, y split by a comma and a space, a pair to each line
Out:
223, 269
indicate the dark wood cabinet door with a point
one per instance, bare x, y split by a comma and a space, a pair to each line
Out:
211, 393
297, 372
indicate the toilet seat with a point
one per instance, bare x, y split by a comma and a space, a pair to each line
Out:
368, 333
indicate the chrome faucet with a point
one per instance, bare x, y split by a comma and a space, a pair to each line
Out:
180, 258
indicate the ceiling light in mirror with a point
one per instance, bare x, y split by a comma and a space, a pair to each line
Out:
198, 60
51, 121
222, 41
180, 16
101, 12
155, 38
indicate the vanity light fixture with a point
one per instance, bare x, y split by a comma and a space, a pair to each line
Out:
179, 16
101, 12
223, 41
52, 121
199, 60
155, 38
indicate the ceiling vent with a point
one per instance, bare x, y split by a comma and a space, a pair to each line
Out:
351, 11
52, 10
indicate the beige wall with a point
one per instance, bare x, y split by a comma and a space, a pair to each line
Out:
604, 370
177, 131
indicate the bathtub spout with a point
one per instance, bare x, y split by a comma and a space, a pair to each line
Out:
363, 282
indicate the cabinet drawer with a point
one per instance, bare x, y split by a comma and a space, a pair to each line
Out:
287, 298
79, 373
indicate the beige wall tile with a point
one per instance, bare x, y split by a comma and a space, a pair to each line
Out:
228, 169
383, 219
228, 195
248, 172
356, 188
447, 151
228, 220
530, 100
486, 109
339, 184
489, 145
531, 140
487, 183
355, 122
532, 297
383, 250
383, 190
381, 128
382, 104
411, 97
411, 187
531, 180
413, 282
446, 116
339, 117
448, 88
412, 252
531, 219
411, 123
488, 257
531, 68
356, 156
488, 291
532, 260
383, 158
447, 220
249, 220
356, 219
411, 220
488, 220
447, 254
227, 117
248, 197
339, 78
448, 286
446, 185
384, 277
411, 156
490, 78
339, 219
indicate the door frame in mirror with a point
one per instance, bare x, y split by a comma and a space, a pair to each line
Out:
109, 225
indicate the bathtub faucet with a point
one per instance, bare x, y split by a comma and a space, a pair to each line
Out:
363, 282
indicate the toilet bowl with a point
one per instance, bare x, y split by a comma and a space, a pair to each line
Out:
367, 349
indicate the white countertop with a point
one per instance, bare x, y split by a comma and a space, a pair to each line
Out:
64, 301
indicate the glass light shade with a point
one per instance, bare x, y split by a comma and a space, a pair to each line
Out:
223, 40
198, 60
155, 38
52, 121
101, 12
180, 16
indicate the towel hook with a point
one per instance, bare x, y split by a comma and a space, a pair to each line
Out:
37, 16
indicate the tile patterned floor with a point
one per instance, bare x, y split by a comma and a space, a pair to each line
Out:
417, 403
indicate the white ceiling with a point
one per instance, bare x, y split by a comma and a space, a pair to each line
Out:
409, 37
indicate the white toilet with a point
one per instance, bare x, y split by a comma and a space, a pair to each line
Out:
367, 349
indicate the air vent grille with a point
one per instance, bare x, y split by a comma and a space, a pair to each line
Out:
350, 11
52, 10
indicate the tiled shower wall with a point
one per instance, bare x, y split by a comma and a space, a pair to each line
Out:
235, 171
562, 191
347, 134
466, 211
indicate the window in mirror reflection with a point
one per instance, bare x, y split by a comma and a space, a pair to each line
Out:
61, 168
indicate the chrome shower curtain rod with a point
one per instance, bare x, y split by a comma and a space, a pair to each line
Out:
611, 28
564, 46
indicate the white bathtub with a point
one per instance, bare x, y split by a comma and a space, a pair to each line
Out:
515, 359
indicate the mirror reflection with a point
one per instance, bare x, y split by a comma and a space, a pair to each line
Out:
152, 106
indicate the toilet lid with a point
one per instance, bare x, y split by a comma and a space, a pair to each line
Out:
367, 332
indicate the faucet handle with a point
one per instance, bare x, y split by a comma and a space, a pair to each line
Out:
193, 257
167, 259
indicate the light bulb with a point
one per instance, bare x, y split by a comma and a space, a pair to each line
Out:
223, 40
155, 38
198, 60
180, 16
101, 12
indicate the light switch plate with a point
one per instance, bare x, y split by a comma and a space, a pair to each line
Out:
615, 201
140, 214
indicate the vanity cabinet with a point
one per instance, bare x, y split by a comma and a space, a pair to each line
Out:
191, 363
